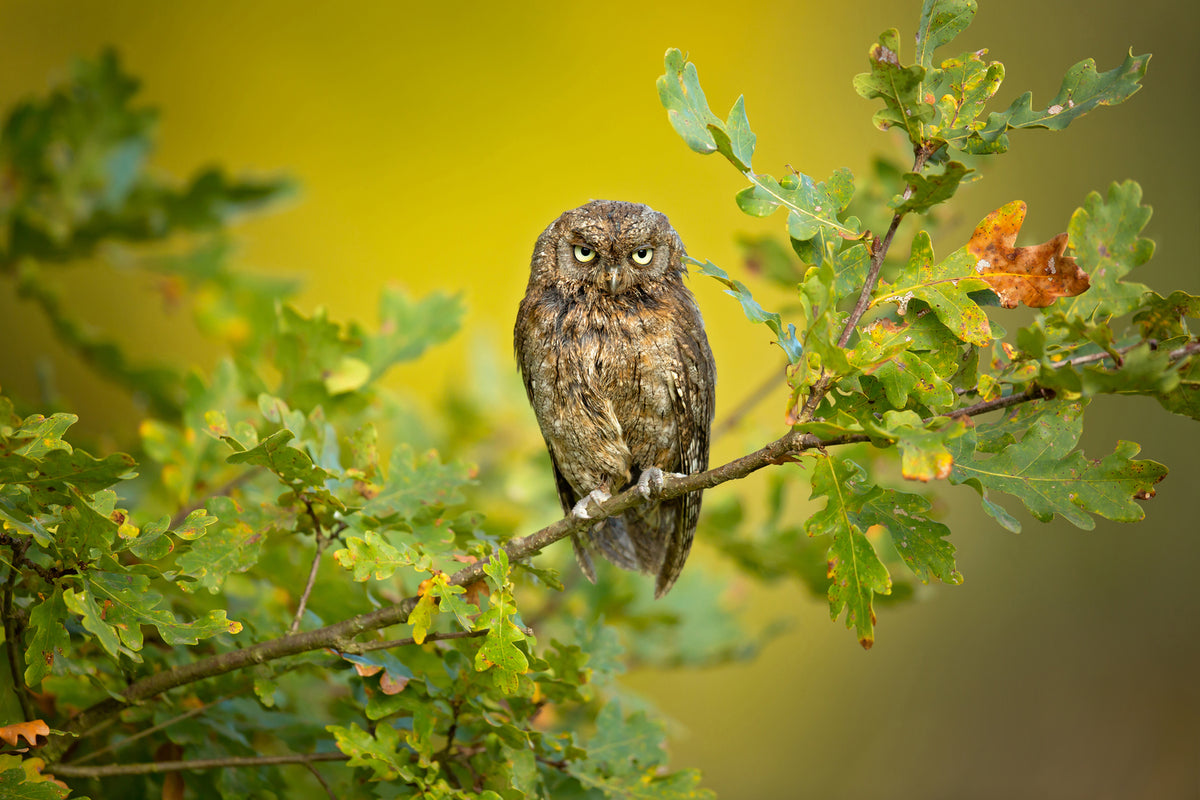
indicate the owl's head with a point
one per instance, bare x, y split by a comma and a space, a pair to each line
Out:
610, 245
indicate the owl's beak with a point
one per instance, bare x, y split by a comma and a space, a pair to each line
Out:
614, 280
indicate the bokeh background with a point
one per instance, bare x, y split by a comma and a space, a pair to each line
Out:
433, 142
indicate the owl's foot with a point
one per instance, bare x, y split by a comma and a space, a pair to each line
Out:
651, 482
597, 496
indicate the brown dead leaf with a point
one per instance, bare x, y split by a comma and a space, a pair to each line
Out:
1036, 275
391, 684
30, 730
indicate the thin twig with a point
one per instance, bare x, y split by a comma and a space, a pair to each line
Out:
321, 780
880, 252
147, 768
322, 542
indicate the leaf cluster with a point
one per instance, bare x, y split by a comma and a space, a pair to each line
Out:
907, 354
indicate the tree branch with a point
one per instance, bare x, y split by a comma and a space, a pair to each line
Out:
147, 768
357, 648
12, 643
340, 635
864, 297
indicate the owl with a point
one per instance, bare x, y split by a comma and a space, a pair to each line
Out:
612, 350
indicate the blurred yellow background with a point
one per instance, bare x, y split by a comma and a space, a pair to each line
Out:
434, 142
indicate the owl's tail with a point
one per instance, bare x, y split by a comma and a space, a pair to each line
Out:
611, 538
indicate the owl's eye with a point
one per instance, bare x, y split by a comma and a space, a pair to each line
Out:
584, 254
642, 255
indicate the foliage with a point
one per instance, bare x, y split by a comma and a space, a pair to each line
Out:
284, 572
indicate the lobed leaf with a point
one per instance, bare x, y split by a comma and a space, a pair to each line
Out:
1035, 275
898, 86
49, 637
1036, 461
945, 287
1104, 237
941, 21
1082, 90
854, 568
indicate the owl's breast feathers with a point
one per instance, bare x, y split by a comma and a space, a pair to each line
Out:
604, 375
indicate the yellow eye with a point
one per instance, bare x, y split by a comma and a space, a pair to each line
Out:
584, 254
642, 255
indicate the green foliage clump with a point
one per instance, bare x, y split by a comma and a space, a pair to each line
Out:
286, 574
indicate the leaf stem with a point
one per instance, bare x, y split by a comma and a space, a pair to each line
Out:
322, 542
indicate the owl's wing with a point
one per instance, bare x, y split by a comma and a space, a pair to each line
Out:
693, 394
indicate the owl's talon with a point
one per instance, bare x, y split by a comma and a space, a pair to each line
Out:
650, 483
597, 496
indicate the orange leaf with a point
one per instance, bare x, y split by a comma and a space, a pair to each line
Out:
1036, 275
391, 684
30, 730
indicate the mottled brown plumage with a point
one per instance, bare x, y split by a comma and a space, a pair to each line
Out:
618, 370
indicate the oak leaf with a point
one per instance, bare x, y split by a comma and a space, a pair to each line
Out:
30, 730
1036, 275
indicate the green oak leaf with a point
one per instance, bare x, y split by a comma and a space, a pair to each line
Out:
1163, 317
941, 21
1082, 90
813, 207
945, 287
232, 544
1185, 397
920, 541
43, 434
416, 485
372, 556
49, 637
1041, 466
293, 466
625, 743
499, 652
961, 88
115, 606
930, 189
687, 109
855, 571
899, 88
407, 328
1103, 234
20, 779
923, 445
383, 753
